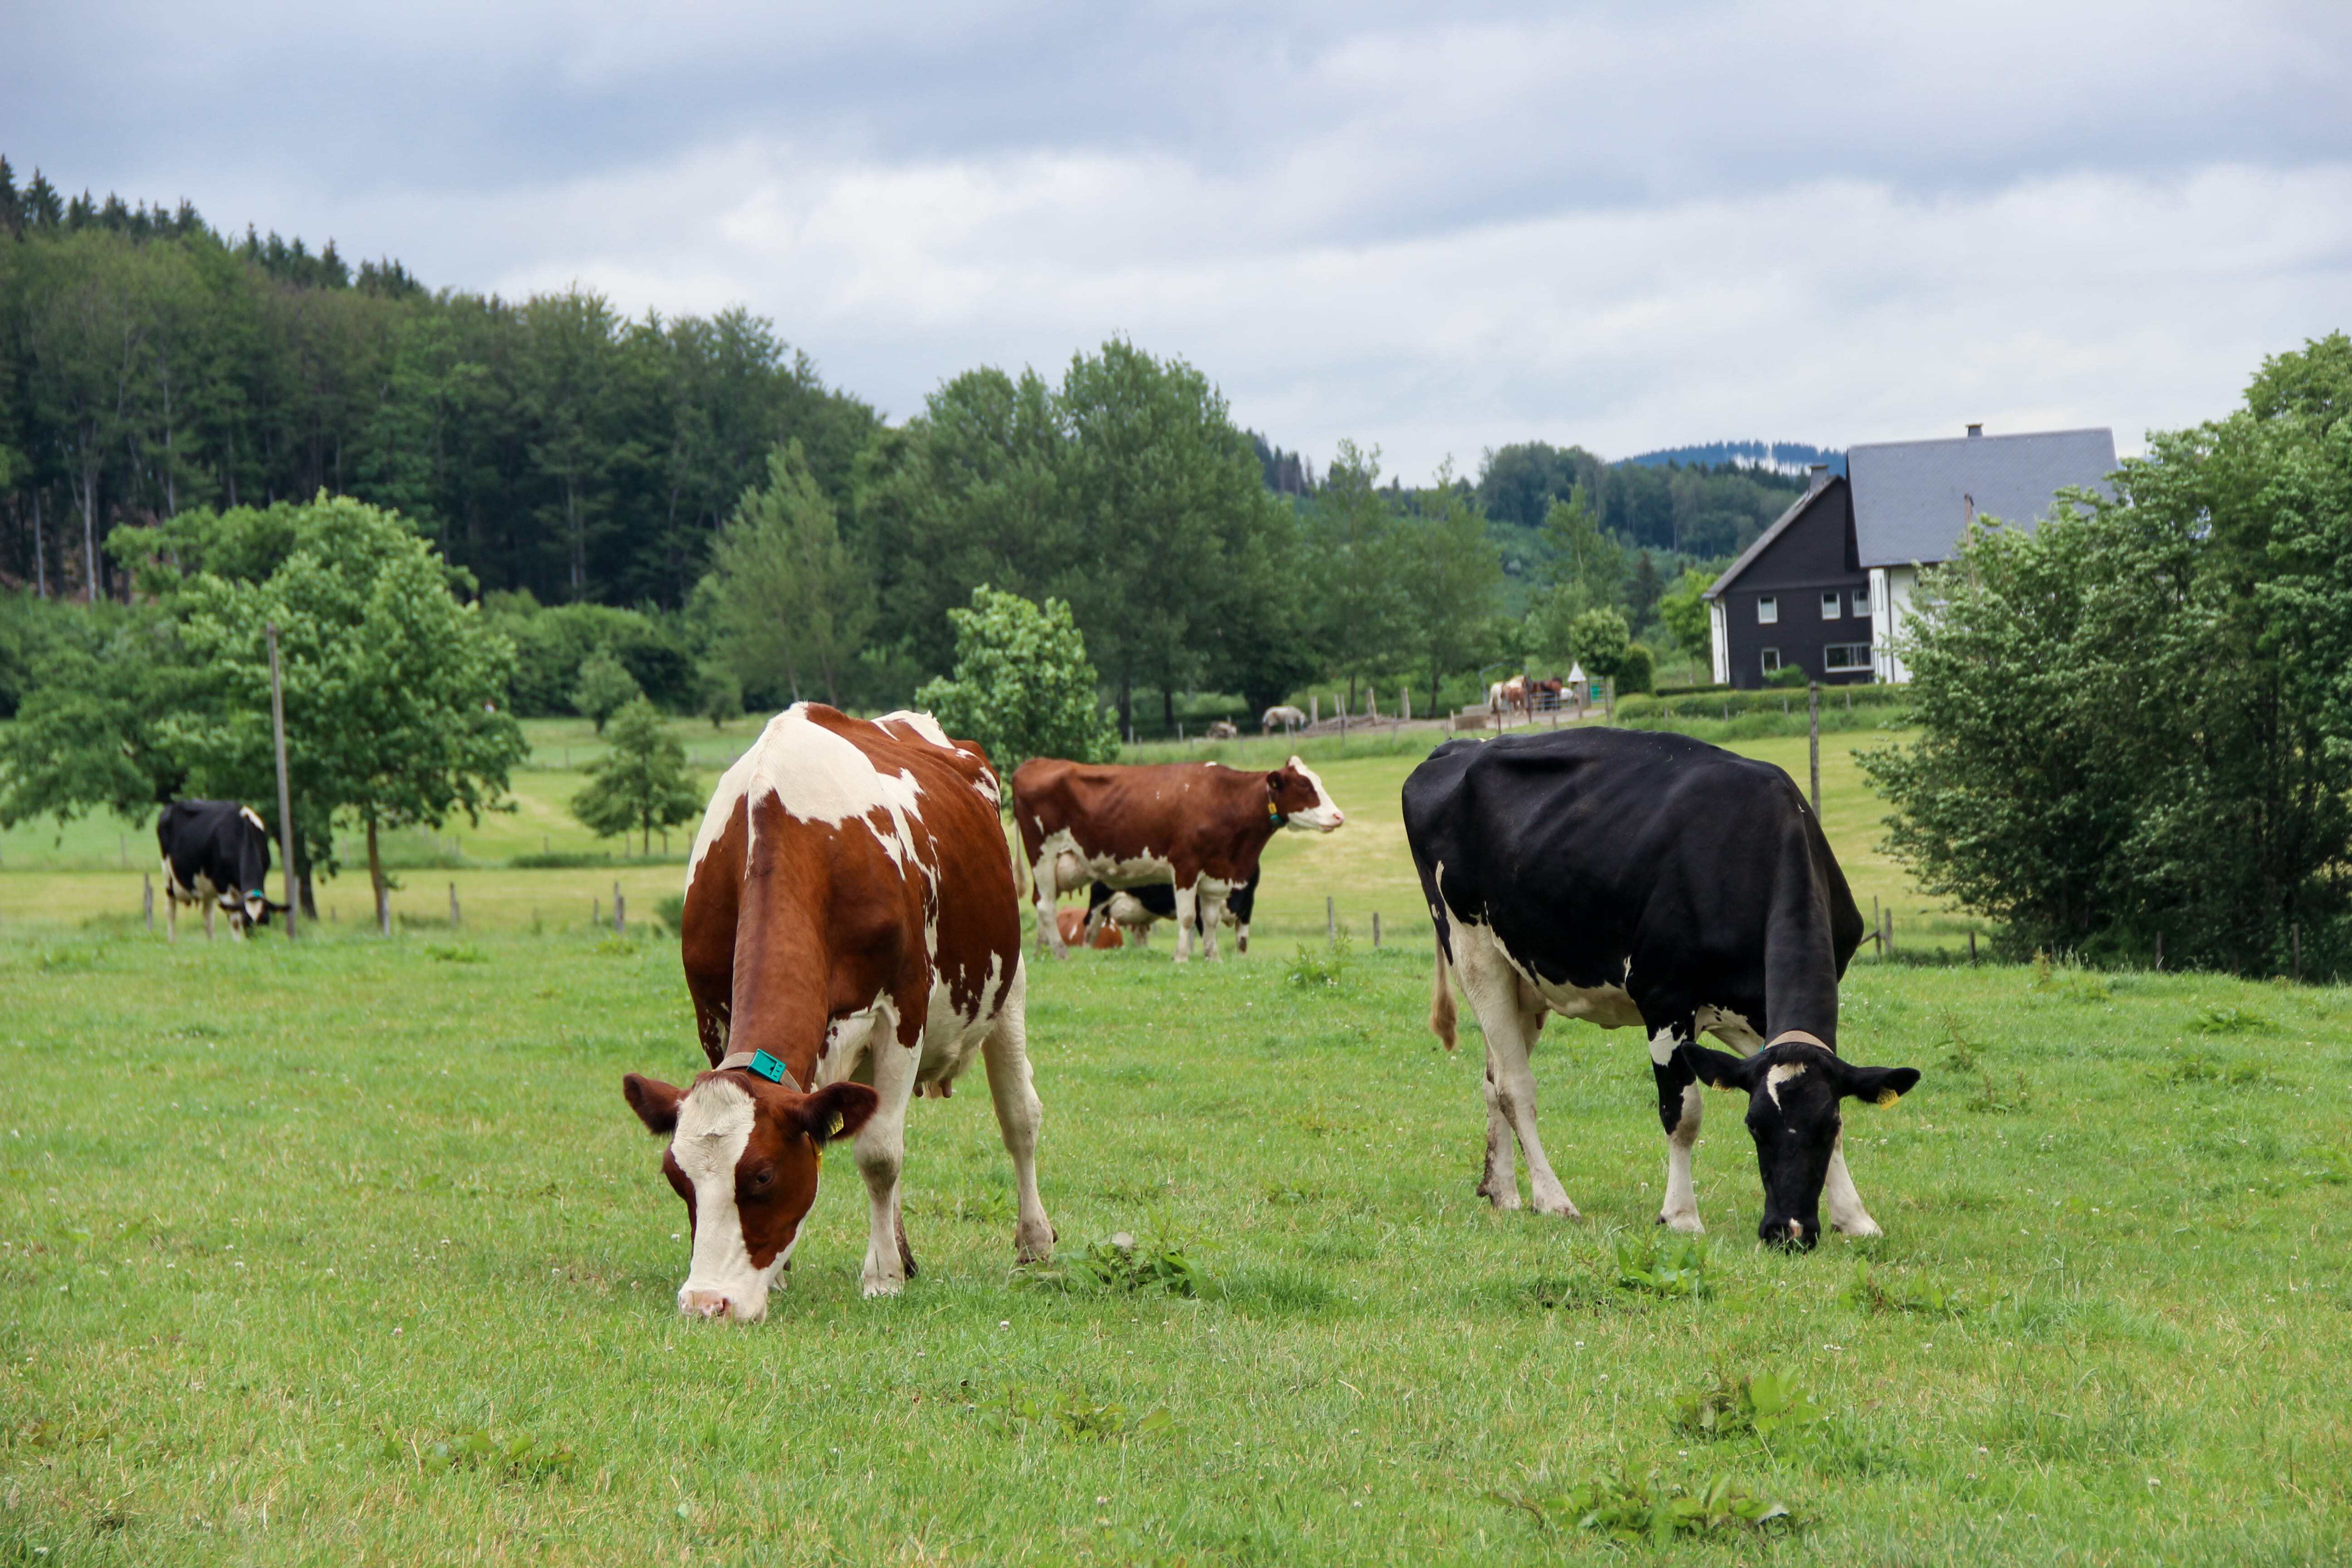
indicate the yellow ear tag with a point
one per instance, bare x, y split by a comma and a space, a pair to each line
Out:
1888, 1097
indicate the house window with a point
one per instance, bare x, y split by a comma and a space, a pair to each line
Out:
1771, 659
1861, 601
1768, 611
1832, 603
1845, 658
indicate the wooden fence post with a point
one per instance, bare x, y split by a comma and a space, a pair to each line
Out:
2160, 951
1330, 920
1888, 947
620, 912
595, 912
1813, 728
1875, 928
147, 899
453, 906
1376, 928
1972, 947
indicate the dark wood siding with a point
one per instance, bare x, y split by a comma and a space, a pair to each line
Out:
1812, 556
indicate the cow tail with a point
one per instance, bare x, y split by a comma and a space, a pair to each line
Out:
1441, 998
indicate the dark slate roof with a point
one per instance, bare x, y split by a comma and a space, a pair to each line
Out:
1913, 499
1780, 525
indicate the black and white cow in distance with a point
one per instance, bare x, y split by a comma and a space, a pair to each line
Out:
216, 854
1636, 879
1134, 910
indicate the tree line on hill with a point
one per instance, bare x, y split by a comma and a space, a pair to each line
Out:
664, 493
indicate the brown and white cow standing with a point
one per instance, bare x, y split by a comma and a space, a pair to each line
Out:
1201, 826
851, 924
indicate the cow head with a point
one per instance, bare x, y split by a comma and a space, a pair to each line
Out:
1300, 799
1795, 1090
743, 1153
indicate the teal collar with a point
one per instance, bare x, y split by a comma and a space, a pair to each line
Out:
760, 1064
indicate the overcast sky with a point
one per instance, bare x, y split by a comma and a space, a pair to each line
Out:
1628, 227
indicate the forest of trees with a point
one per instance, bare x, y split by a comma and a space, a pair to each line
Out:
685, 501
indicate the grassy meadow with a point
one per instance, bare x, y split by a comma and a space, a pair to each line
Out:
349, 1252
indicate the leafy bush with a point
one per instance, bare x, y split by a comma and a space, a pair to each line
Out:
1667, 1263
1023, 687
1762, 1405
1650, 1508
471, 1449
1873, 1294
670, 910
1322, 971
1789, 676
1117, 1265
1637, 672
603, 689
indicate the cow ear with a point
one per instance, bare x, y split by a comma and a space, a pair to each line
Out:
1721, 1070
655, 1102
836, 1110
1880, 1085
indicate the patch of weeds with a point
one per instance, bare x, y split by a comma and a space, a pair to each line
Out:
1076, 1414
2064, 983
1959, 1051
456, 953
2231, 1021
1763, 1405
1293, 1194
1622, 1507
615, 947
2000, 1100
1671, 1264
43, 1435
1873, 1294
1322, 971
65, 960
472, 1448
1118, 1264
669, 913
2199, 1068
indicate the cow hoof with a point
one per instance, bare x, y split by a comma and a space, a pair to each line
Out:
1559, 1206
1030, 1246
1501, 1197
872, 1287
1865, 1227
1688, 1223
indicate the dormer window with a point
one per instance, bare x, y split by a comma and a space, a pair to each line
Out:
1768, 611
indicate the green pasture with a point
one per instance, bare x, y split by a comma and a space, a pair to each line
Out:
350, 1253
90, 870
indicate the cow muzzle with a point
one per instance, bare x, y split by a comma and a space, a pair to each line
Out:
1797, 1234
718, 1305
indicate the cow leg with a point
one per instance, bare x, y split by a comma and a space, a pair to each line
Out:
1499, 1183
1186, 903
1847, 1217
1680, 1107
1212, 915
1049, 885
208, 919
171, 918
880, 1151
1510, 1016
1018, 1116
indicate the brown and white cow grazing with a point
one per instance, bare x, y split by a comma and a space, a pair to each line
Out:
851, 924
1200, 826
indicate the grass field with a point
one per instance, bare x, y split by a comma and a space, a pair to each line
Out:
92, 870
351, 1253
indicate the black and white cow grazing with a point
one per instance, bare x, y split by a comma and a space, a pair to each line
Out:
1133, 910
216, 854
1629, 877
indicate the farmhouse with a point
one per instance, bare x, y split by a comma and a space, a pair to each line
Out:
1828, 585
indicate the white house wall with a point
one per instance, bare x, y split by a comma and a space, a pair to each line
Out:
1891, 589
1719, 633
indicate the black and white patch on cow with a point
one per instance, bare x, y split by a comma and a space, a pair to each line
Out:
1649, 880
1134, 911
215, 854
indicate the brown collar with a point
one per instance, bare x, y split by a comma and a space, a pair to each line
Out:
1801, 1038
